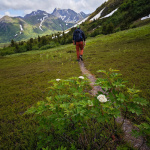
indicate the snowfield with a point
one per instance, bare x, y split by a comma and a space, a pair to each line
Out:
146, 17
42, 20
110, 14
98, 15
21, 27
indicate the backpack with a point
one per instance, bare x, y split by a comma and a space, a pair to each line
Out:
78, 35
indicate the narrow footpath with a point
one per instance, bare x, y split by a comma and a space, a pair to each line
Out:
127, 127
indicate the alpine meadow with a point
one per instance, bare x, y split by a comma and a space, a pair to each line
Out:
46, 99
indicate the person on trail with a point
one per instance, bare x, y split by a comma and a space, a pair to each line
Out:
79, 41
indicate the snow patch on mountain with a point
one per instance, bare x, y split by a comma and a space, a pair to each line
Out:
110, 14
62, 17
66, 31
146, 17
82, 21
98, 15
21, 28
42, 20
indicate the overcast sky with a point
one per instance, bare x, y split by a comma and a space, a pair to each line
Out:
23, 7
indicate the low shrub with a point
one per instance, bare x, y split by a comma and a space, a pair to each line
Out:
72, 117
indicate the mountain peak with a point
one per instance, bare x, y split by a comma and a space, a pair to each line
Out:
68, 15
6, 19
34, 13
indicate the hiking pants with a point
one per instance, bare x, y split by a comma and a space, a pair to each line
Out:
79, 46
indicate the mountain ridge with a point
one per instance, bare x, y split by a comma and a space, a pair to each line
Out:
68, 15
33, 24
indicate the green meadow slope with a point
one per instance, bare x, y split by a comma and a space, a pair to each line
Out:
24, 77
127, 51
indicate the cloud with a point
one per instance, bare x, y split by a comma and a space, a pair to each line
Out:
7, 13
1, 16
87, 6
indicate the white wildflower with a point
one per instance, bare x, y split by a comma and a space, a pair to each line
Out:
102, 98
81, 77
57, 79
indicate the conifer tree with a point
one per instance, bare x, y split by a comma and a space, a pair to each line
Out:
39, 39
12, 43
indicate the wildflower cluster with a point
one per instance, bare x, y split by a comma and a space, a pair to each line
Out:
102, 98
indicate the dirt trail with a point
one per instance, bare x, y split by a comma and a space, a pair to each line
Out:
92, 79
127, 127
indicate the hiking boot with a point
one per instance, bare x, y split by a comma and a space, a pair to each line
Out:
81, 58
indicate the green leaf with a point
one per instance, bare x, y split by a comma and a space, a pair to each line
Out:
148, 119
31, 110
140, 101
132, 91
45, 148
102, 71
112, 70
66, 112
52, 107
90, 103
144, 126
49, 98
63, 106
120, 97
104, 83
134, 109
83, 103
115, 75
76, 94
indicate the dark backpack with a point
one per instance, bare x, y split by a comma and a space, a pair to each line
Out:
78, 35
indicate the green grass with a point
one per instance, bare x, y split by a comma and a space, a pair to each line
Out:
24, 81
3, 44
127, 51
24, 77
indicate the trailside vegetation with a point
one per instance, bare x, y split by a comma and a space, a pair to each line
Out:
72, 119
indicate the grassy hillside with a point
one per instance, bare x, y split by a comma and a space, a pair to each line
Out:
128, 15
24, 77
10, 28
127, 51
24, 81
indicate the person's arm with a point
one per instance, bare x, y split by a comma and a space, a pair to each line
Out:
73, 42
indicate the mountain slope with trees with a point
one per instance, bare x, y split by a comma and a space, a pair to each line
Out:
128, 11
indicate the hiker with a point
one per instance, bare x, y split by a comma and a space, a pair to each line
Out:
79, 41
